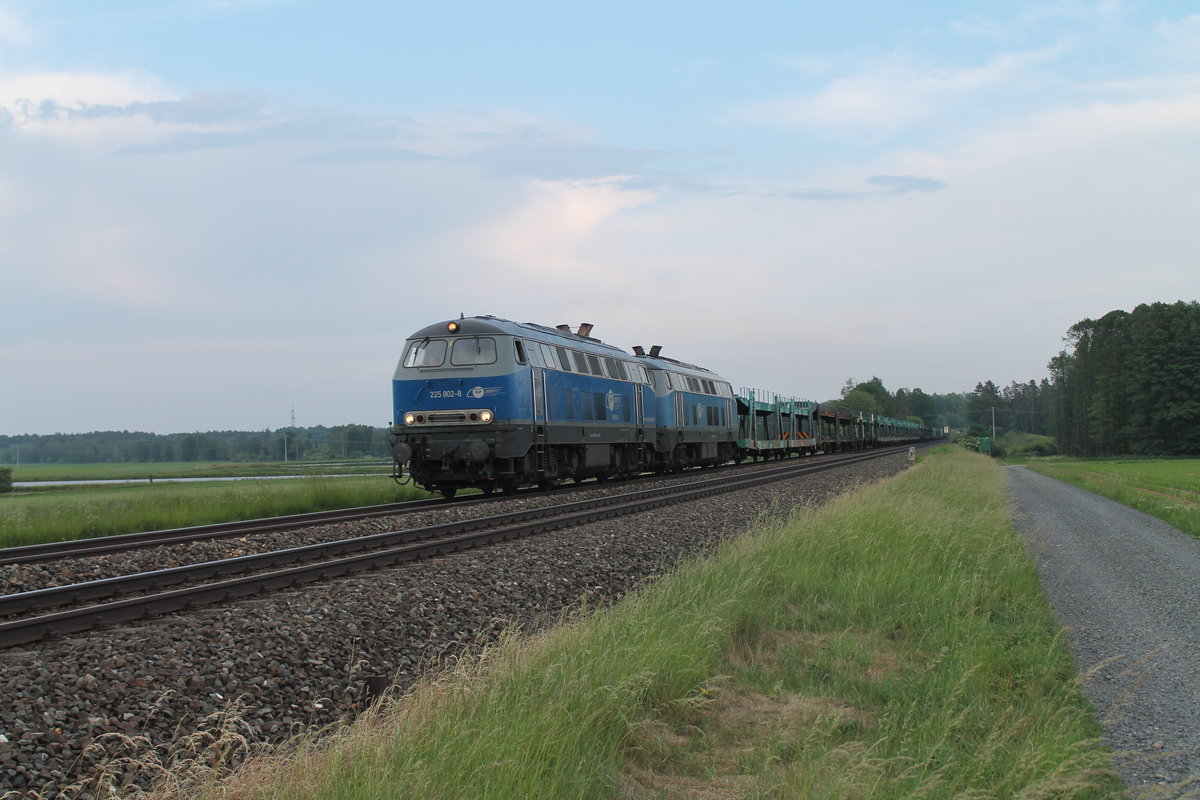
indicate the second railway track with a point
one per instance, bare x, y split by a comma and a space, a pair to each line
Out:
211, 582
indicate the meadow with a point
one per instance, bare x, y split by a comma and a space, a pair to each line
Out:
1167, 489
193, 469
895, 643
77, 512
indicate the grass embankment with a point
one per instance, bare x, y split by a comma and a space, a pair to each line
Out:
85, 512
1168, 489
896, 644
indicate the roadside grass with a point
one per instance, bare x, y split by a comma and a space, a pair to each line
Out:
894, 644
78, 513
193, 469
1168, 489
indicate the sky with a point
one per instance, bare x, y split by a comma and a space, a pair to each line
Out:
217, 213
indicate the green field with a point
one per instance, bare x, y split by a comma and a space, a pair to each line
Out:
77, 512
1167, 489
895, 644
193, 469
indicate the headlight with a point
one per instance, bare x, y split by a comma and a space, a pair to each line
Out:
485, 416
410, 418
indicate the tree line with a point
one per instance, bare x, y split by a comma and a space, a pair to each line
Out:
1129, 383
312, 443
934, 410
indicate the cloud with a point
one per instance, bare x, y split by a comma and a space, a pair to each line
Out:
200, 108
890, 185
1181, 38
563, 161
891, 96
42, 97
902, 184
376, 153
555, 219
313, 129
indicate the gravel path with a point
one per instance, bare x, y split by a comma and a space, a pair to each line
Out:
1127, 587
299, 659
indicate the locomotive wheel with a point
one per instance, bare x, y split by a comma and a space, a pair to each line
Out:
448, 492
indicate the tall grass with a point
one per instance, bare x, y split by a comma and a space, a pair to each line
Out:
1168, 489
81, 513
906, 618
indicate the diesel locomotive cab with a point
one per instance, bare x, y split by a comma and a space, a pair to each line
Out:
453, 396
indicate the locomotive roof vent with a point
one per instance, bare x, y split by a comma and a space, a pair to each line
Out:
655, 350
638, 350
585, 329
563, 328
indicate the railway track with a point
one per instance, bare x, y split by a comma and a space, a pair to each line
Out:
27, 620
120, 543
106, 545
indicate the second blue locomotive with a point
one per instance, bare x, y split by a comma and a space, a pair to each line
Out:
487, 403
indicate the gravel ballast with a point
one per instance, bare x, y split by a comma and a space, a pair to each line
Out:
1127, 588
299, 659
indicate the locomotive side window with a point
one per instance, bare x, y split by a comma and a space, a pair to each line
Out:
474, 350
548, 355
426, 353
564, 358
622, 371
594, 365
520, 350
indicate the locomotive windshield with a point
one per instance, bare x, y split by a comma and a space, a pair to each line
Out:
426, 353
465, 352
475, 350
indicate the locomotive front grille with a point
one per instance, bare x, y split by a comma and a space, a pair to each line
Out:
466, 416
447, 418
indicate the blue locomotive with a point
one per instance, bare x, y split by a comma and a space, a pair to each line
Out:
487, 403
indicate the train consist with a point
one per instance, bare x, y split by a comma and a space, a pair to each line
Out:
487, 403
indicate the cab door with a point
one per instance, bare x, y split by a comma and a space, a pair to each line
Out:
539, 422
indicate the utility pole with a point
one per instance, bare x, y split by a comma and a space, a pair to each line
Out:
290, 430
993, 423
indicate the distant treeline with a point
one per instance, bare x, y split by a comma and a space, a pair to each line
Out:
319, 442
1129, 383
1016, 408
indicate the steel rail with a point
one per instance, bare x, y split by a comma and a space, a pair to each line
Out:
501, 527
104, 545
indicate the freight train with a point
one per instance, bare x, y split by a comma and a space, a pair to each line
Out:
486, 403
